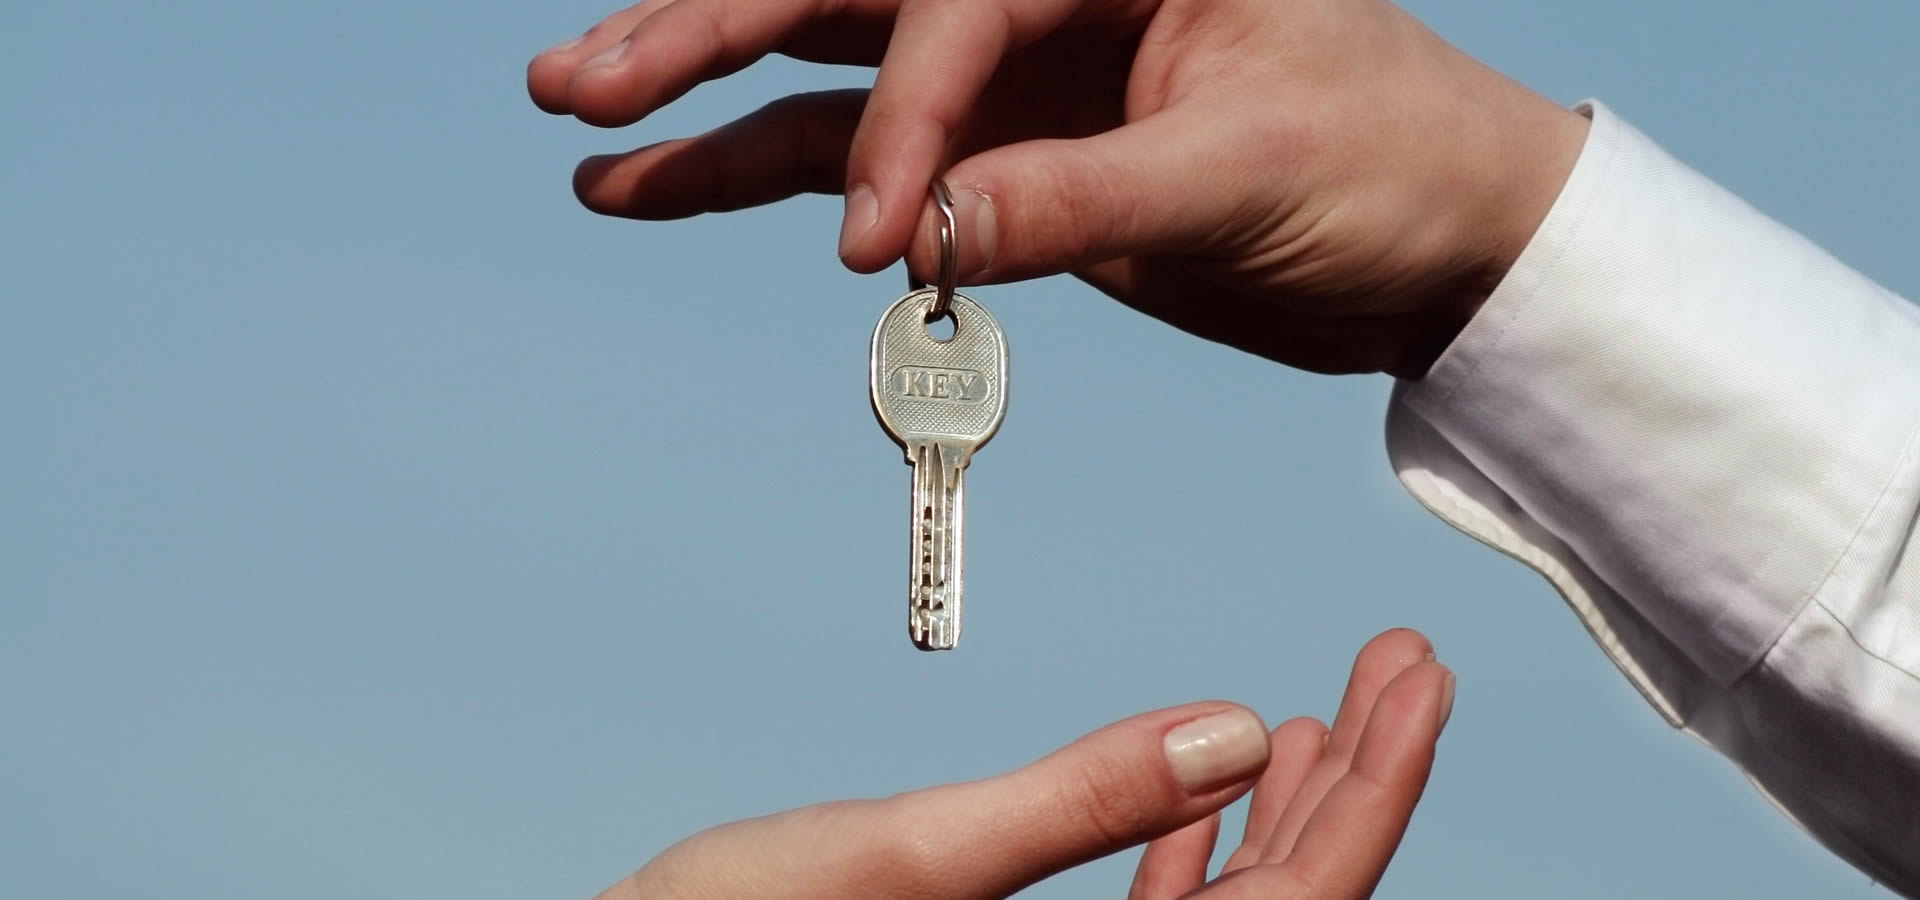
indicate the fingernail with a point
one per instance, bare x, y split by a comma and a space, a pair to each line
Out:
1446, 701
979, 233
606, 57
863, 209
1220, 749
564, 46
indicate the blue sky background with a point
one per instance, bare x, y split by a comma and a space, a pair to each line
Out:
379, 524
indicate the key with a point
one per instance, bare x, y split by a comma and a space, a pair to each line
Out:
940, 400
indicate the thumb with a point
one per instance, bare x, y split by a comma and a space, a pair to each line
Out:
1163, 184
1118, 787
1125, 784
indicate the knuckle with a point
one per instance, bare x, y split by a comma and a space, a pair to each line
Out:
1279, 133
1264, 881
1105, 804
1069, 211
717, 31
883, 128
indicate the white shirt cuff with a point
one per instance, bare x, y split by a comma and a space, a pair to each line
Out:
1700, 403
1702, 429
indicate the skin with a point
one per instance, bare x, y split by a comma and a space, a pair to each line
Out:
1329, 808
1325, 183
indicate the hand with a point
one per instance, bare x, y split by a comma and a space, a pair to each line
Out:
1328, 809
1322, 182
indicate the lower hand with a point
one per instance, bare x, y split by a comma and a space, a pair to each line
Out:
1328, 809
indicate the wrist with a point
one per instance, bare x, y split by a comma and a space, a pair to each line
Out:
1532, 153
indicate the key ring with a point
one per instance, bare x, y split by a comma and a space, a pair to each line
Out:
949, 229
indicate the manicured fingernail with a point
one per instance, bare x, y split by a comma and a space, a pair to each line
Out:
1218, 750
606, 57
1446, 701
863, 209
979, 233
564, 46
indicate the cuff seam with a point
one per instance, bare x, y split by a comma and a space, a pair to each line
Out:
1590, 184
1908, 458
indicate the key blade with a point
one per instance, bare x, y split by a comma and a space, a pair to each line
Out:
936, 589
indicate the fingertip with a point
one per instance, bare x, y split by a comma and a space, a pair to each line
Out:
865, 262
861, 214
1413, 708
897, 157
1299, 744
978, 226
547, 77
1302, 734
588, 177
1217, 750
598, 99
1383, 659
610, 90
1397, 646
869, 252
863, 245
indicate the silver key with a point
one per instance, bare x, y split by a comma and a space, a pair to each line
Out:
941, 401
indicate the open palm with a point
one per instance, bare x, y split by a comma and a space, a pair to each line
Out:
1329, 808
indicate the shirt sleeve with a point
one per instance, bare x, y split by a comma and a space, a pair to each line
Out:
1705, 432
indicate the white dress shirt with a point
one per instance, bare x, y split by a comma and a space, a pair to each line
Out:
1705, 432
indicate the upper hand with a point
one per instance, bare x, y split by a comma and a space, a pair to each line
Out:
1328, 809
1322, 182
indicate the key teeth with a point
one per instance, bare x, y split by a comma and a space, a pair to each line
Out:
931, 631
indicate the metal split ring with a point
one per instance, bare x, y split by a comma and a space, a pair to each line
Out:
949, 230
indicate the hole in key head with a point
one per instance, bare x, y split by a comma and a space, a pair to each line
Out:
942, 328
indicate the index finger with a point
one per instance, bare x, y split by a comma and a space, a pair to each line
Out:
684, 43
942, 54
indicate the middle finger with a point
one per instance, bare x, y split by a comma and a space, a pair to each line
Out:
690, 41
1383, 658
